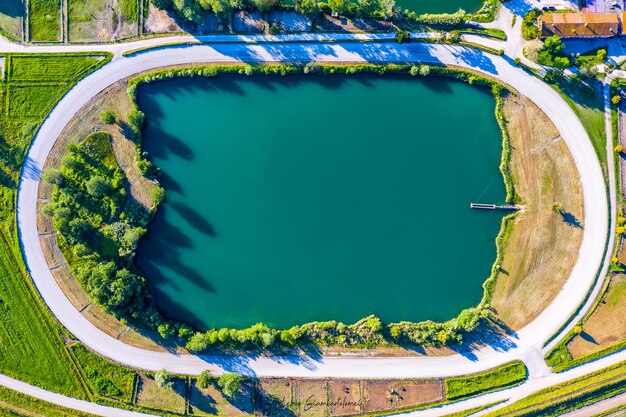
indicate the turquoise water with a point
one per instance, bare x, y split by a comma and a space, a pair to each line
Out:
439, 6
296, 199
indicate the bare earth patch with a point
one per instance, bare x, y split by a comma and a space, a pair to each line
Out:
607, 323
396, 395
542, 247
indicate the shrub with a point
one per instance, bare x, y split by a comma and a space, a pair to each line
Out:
308, 8
97, 186
230, 383
616, 99
158, 194
135, 119
163, 379
530, 30
204, 379
107, 117
402, 36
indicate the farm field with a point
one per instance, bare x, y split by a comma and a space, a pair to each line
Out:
32, 347
45, 20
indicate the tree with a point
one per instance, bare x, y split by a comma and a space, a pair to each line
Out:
163, 379
402, 36
221, 8
291, 336
135, 119
166, 330
616, 99
131, 237
601, 55
618, 149
188, 10
309, 8
158, 194
339, 6
578, 329
414, 70
204, 379
424, 70
265, 5
97, 186
557, 208
387, 8
52, 176
367, 7
553, 45
230, 383
107, 117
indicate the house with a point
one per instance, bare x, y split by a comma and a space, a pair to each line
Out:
579, 25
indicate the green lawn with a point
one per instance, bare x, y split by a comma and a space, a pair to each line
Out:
588, 104
41, 68
105, 378
31, 343
44, 20
470, 385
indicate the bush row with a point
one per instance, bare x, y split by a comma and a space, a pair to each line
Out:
193, 10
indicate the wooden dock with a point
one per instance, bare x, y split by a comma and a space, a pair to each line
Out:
481, 206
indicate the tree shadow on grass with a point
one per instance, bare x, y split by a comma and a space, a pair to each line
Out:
491, 332
571, 220
268, 405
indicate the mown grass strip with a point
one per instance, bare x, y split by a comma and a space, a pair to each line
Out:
471, 385
571, 395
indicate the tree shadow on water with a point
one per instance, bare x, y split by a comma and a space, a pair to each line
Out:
194, 218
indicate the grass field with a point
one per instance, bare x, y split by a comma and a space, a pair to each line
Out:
468, 386
38, 68
104, 378
45, 20
588, 104
607, 323
535, 265
31, 340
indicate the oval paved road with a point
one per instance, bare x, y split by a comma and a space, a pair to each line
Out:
525, 345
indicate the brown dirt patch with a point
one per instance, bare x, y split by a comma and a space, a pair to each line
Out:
607, 323
542, 247
345, 397
396, 395
312, 397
